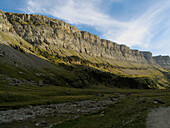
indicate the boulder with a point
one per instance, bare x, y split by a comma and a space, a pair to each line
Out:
14, 81
21, 73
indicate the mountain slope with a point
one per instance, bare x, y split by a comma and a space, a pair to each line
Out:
70, 57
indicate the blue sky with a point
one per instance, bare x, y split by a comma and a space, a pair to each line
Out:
139, 24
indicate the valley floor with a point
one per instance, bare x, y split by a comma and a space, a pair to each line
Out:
66, 107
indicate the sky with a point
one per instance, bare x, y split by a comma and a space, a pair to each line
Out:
139, 24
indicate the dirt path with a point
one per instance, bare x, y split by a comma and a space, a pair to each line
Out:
159, 118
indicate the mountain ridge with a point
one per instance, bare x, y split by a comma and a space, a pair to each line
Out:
113, 48
58, 42
23, 19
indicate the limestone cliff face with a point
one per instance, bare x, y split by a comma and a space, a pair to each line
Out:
58, 37
164, 61
33, 42
55, 35
148, 57
5, 26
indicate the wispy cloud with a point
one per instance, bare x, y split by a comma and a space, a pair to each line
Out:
137, 31
73, 11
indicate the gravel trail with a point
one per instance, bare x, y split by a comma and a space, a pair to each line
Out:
159, 118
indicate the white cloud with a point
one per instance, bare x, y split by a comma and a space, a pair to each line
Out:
77, 12
73, 11
138, 32
135, 32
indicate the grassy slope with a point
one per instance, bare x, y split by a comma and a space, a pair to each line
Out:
14, 97
69, 69
25, 94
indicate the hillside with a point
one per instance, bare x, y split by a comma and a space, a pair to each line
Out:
38, 50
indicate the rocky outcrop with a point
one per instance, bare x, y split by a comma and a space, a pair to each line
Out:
62, 39
33, 41
5, 26
163, 61
54, 35
148, 57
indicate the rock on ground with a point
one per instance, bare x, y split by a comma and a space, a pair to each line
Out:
83, 107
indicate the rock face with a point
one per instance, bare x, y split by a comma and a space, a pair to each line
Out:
55, 35
5, 26
164, 61
148, 57
62, 39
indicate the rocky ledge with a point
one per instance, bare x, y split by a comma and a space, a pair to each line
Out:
164, 61
60, 38
55, 35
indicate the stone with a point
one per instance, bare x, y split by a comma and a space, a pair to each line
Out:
43, 123
79, 107
142, 100
51, 125
67, 91
37, 125
102, 112
21, 119
40, 83
136, 99
40, 74
155, 102
14, 81
159, 101
21, 73
101, 115
1, 55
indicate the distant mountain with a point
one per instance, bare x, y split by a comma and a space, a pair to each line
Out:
54, 52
